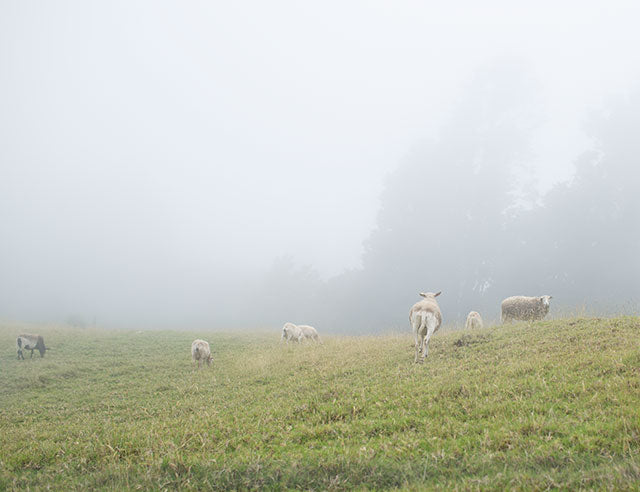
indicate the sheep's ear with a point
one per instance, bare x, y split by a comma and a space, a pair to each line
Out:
436, 295
423, 294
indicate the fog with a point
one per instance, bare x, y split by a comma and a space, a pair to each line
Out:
242, 164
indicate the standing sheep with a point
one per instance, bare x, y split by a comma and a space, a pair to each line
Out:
524, 308
200, 351
291, 332
425, 318
474, 320
309, 333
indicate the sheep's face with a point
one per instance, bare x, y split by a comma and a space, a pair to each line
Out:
430, 294
545, 300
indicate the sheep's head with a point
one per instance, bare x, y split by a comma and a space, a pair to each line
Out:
545, 300
40, 346
430, 294
286, 331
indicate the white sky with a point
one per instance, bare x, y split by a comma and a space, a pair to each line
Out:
223, 134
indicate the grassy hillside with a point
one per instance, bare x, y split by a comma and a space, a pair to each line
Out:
546, 405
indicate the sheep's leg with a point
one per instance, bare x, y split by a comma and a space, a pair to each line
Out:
416, 336
419, 343
31, 354
425, 348
423, 344
20, 356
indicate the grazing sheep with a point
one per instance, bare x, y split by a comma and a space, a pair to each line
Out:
291, 332
425, 318
30, 342
474, 320
298, 333
525, 308
200, 351
309, 333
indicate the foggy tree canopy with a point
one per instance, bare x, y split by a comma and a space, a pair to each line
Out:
239, 165
455, 218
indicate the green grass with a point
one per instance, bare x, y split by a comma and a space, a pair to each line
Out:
551, 404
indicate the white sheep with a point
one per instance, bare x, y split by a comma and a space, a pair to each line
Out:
425, 318
474, 320
309, 333
298, 333
525, 308
200, 351
291, 333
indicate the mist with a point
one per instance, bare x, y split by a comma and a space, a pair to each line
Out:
239, 166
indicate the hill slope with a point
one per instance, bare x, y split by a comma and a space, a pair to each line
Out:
551, 404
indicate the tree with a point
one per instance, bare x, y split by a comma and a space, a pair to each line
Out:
443, 210
584, 240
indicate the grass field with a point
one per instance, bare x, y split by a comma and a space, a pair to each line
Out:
552, 404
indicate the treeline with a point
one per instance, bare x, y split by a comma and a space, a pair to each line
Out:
460, 215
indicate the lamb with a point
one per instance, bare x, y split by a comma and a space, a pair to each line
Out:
425, 318
30, 342
474, 320
200, 351
525, 308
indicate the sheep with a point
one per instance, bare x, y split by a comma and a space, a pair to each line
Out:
291, 332
30, 342
525, 308
298, 333
200, 351
308, 332
425, 318
474, 320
